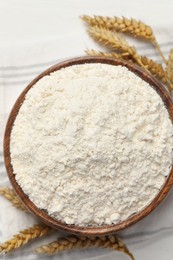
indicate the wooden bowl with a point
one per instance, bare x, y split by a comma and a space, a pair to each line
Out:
101, 230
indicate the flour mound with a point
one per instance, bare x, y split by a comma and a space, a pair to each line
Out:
92, 144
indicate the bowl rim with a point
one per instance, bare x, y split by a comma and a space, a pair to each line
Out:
83, 230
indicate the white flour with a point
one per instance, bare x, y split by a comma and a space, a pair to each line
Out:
92, 144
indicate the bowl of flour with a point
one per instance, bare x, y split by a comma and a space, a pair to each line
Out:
89, 145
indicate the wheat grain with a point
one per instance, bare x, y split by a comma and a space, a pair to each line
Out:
74, 242
169, 70
155, 68
125, 25
24, 237
113, 40
10, 195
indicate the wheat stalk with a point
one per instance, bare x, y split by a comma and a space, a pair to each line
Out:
10, 195
155, 68
125, 25
169, 70
24, 237
74, 242
113, 40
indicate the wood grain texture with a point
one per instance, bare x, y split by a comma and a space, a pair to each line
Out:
101, 230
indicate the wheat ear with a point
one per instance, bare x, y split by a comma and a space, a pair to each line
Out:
24, 237
169, 70
132, 26
113, 40
74, 242
155, 68
115, 55
10, 195
125, 25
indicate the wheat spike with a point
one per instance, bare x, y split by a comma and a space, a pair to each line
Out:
155, 68
132, 26
74, 242
169, 70
10, 195
113, 40
115, 55
125, 25
24, 237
